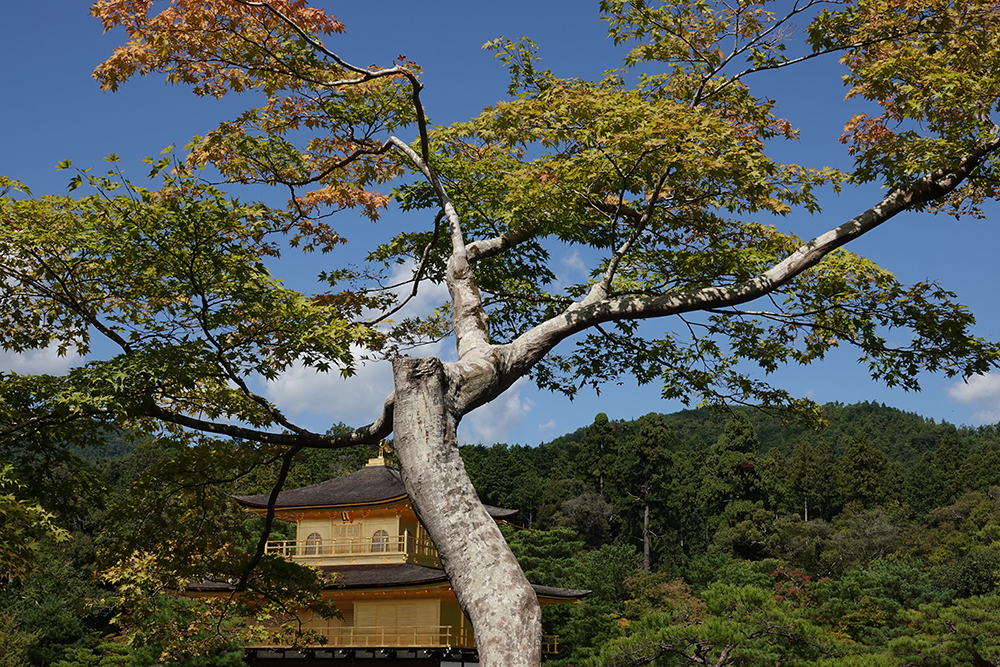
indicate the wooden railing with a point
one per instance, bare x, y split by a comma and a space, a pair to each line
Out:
424, 636
392, 544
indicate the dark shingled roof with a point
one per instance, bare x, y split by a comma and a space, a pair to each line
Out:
499, 512
397, 574
408, 574
553, 592
369, 486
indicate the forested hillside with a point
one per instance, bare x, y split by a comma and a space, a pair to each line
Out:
735, 537
727, 536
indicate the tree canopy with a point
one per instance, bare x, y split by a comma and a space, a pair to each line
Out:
659, 171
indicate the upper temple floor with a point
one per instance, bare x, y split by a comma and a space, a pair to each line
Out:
362, 518
392, 595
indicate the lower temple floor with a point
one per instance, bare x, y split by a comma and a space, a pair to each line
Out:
361, 658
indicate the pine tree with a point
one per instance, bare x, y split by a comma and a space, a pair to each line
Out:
811, 479
597, 452
866, 475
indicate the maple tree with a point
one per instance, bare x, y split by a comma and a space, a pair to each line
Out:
659, 169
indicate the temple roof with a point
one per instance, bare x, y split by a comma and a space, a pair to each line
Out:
372, 485
408, 574
394, 575
368, 486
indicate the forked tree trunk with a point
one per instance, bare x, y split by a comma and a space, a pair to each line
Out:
487, 580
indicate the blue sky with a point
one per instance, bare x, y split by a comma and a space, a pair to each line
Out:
54, 110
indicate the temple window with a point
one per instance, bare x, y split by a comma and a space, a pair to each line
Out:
380, 541
312, 544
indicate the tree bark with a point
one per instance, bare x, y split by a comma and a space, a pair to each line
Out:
486, 577
645, 539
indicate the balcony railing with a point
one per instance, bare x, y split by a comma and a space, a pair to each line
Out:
424, 636
355, 546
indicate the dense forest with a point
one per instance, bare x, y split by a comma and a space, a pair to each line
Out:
706, 537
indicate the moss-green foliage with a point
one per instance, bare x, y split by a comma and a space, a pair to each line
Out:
548, 557
865, 554
14, 641
62, 612
733, 625
853, 529
904, 436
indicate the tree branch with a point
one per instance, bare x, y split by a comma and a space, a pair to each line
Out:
366, 435
418, 274
484, 248
522, 353
279, 483
603, 288
365, 74
469, 321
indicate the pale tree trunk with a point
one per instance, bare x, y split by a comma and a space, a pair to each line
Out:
486, 577
645, 539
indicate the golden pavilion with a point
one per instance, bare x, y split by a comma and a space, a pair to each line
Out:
393, 595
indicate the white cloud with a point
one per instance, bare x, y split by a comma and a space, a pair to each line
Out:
981, 391
572, 269
38, 362
302, 392
574, 263
314, 398
977, 388
990, 416
490, 423
327, 398
550, 424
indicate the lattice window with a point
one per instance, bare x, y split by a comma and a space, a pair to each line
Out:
347, 538
380, 541
312, 544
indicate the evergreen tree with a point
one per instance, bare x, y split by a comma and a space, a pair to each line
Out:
639, 484
590, 515
866, 476
775, 483
14, 642
555, 494
924, 489
811, 479
526, 496
729, 471
948, 460
597, 452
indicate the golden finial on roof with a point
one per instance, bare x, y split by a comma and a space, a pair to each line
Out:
383, 449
